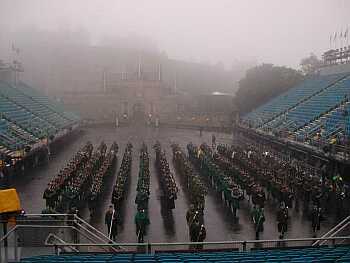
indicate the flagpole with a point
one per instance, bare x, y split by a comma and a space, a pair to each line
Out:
341, 39
347, 43
342, 51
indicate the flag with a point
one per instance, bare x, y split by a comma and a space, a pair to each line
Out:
335, 36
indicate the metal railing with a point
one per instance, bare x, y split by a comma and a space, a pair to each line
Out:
34, 230
54, 237
58, 228
242, 245
334, 231
72, 219
55, 245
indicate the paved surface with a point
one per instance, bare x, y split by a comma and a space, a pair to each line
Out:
165, 226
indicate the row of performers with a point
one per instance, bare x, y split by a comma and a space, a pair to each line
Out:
76, 189
122, 182
215, 167
97, 186
223, 183
142, 196
143, 182
57, 184
195, 187
119, 194
166, 178
196, 191
284, 180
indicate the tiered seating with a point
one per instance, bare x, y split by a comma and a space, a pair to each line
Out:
70, 117
329, 124
25, 119
13, 137
297, 255
290, 99
45, 113
318, 104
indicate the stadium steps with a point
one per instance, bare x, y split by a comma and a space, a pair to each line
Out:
332, 122
296, 255
13, 137
321, 103
13, 94
282, 103
69, 118
21, 125
24, 118
303, 100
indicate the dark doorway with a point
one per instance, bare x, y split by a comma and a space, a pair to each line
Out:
138, 111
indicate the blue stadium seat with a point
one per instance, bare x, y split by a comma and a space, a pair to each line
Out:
317, 103
290, 99
313, 254
26, 117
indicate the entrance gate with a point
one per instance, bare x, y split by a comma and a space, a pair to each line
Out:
138, 112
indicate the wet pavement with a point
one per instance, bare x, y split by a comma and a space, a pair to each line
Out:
165, 226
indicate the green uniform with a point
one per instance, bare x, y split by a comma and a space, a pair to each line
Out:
258, 219
141, 221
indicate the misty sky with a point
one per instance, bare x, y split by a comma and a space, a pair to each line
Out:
273, 31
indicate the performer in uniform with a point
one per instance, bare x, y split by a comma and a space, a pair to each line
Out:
141, 221
316, 219
282, 220
258, 220
197, 233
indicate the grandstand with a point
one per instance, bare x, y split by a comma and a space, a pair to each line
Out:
315, 109
29, 120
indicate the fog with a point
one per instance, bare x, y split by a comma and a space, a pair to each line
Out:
273, 31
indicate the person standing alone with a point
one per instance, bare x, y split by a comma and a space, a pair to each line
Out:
111, 222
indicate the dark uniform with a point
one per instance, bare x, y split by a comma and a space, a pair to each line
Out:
258, 220
316, 219
282, 221
198, 233
141, 221
112, 224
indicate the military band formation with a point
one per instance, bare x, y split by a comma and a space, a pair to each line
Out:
81, 181
234, 172
166, 178
196, 191
123, 178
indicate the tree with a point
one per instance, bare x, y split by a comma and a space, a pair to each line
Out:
310, 64
261, 83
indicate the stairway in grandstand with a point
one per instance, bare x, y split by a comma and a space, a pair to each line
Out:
309, 101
